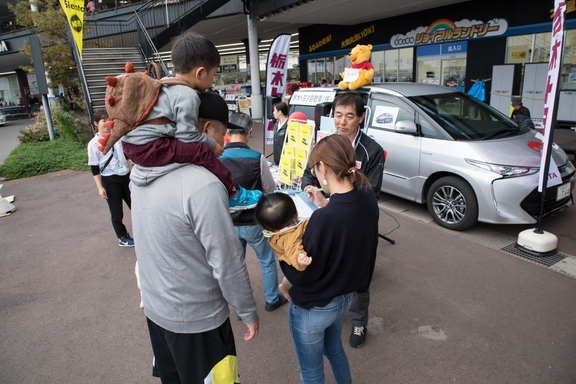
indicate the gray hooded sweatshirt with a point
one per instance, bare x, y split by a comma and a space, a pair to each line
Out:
189, 256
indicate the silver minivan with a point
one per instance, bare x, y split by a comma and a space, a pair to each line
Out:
463, 158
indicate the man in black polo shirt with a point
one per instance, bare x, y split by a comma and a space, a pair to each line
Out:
348, 114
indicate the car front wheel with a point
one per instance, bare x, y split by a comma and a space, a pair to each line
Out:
452, 203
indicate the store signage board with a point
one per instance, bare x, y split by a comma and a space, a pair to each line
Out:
313, 98
227, 60
556, 45
447, 31
229, 68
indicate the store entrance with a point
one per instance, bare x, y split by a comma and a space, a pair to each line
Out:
442, 64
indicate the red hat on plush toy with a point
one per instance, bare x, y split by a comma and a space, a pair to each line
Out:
299, 117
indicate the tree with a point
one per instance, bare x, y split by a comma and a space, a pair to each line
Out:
50, 24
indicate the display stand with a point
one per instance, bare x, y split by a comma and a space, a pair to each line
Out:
294, 155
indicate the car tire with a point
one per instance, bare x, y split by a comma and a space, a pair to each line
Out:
452, 203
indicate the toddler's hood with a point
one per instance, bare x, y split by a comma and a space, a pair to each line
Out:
269, 234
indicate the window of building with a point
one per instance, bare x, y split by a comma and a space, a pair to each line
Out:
568, 73
9, 89
405, 65
389, 66
533, 48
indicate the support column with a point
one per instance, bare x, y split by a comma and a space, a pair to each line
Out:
256, 98
24, 87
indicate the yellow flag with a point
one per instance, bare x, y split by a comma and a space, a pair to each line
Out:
74, 10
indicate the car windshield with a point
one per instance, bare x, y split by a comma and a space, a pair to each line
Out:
466, 118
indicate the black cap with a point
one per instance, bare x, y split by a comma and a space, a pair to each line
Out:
213, 107
516, 101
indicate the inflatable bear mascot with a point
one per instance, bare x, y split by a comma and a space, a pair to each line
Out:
360, 56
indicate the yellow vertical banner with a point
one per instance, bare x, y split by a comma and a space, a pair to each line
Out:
74, 10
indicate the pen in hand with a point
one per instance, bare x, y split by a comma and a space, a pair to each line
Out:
318, 190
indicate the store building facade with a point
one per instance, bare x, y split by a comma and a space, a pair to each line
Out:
16, 86
452, 46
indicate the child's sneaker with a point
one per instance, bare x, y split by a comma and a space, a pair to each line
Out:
245, 200
126, 241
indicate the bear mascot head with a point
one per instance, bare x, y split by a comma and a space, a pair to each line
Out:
360, 57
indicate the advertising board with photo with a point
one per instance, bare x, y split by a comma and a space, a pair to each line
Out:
385, 117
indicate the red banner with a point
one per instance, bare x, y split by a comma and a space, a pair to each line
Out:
550, 99
276, 76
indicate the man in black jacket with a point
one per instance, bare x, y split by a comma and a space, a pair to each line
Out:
519, 110
348, 114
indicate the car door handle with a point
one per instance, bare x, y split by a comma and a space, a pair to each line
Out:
371, 136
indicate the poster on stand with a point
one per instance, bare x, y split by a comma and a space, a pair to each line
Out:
295, 154
276, 78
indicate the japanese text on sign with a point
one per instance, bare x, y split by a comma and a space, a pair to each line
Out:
320, 43
309, 98
358, 36
455, 34
444, 30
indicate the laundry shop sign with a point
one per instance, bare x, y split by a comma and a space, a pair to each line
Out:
447, 31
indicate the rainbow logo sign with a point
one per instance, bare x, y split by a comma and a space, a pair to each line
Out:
440, 24
448, 31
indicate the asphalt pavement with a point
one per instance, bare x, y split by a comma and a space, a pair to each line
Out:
444, 309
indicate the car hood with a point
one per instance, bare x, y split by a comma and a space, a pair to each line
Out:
522, 150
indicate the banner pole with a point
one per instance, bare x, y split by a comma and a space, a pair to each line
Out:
546, 169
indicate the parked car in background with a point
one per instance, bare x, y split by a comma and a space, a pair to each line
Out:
461, 157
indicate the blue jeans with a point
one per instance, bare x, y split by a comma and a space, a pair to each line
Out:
317, 332
252, 235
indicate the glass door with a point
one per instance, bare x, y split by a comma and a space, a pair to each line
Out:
429, 71
454, 73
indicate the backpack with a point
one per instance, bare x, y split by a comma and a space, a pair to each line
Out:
129, 99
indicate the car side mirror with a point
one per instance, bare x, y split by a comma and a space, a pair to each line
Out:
405, 126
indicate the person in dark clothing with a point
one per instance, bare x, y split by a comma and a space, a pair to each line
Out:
342, 239
519, 109
348, 114
280, 111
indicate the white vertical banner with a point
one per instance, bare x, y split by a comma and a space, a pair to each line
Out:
276, 76
550, 99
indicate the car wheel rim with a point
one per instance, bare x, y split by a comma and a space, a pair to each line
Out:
449, 205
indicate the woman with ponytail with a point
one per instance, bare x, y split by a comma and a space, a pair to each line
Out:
341, 238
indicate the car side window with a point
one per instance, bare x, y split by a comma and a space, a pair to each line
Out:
385, 114
427, 130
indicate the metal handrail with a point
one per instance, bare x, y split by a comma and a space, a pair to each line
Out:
155, 55
82, 76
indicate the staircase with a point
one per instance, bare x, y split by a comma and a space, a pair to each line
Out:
101, 62
130, 40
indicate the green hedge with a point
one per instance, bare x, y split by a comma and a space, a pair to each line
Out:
34, 159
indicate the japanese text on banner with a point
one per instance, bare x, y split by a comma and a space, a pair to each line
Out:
550, 99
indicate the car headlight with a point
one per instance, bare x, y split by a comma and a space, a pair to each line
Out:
504, 170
